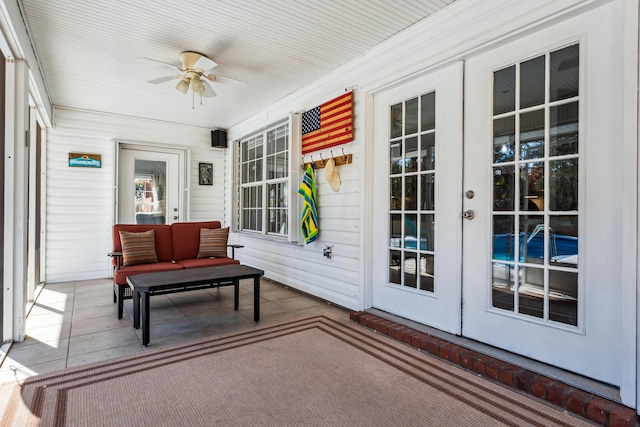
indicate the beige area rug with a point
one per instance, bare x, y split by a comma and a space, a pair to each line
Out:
312, 371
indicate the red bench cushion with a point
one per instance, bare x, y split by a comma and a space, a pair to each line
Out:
206, 262
120, 275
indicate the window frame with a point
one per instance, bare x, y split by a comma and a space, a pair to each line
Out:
289, 181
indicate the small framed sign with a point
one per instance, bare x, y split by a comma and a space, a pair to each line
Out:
84, 160
205, 175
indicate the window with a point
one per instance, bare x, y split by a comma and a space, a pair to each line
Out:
264, 182
146, 199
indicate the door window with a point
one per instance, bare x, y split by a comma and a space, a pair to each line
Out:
535, 172
412, 180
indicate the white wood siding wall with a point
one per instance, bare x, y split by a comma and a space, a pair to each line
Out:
80, 200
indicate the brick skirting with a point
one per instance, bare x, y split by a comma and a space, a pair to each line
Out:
585, 404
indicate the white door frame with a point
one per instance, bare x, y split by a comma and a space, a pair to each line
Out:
184, 156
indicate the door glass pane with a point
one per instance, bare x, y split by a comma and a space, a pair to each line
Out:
532, 86
395, 202
426, 272
395, 121
563, 185
411, 192
503, 238
535, 238
395, 259
503, 188
426, 232
150, 185
563, 129
411, 231
531, 292
565, 73
563, 236
504, 90
411, 155
532, 239
503, 285
412, 182
395, 156
532, 135
504, 139
563, 297
428, 112
411, 117
427, 193
428, 152
410, 273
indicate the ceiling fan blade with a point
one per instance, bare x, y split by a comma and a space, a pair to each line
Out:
191, 60
228, 80
163, 79
208, 90
174, 66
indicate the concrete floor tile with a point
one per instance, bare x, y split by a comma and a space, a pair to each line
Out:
278, 294
98, 324
97, 356
100, 311
104, 340
298, 302
49, 333
48, 319
37, 353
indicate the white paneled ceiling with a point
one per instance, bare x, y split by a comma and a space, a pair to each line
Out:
92, 52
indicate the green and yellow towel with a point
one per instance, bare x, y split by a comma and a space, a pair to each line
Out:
307, 190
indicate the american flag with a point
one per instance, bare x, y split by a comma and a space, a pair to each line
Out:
328, 125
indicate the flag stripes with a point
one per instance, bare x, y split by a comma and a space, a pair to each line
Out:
328, 125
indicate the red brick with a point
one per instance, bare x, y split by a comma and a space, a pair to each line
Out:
467, 359
380, 326
577, 402
540, 386
400, 333
392, 329
443, 351
415, 339
434, 345
383, 327
524, 380
479, 364
455, 354
494, 368
354, 315
508, 375
598, 410
406, 337
424, 342
365, 318
557, 394
621, 416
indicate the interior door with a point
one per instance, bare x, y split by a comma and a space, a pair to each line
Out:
149, 186
542, 261
417, 202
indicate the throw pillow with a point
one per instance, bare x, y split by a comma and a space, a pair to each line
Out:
138, 248
213, 242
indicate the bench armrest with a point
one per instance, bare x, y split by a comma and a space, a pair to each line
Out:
233, 250
117, 256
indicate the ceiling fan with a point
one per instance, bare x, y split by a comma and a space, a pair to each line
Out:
195, 69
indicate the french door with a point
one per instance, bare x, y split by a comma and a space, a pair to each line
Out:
418, 161
149, 184
513, 237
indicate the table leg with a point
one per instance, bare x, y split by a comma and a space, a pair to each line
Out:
236, 292
145, 318
256, 298
136, 309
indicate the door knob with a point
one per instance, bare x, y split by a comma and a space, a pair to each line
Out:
468, 214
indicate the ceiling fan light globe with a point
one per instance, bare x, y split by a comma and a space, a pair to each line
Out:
197, 86
183, 86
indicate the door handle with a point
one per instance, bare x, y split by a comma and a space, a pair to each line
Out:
468, 214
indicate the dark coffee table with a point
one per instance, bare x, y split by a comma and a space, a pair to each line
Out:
167, 282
